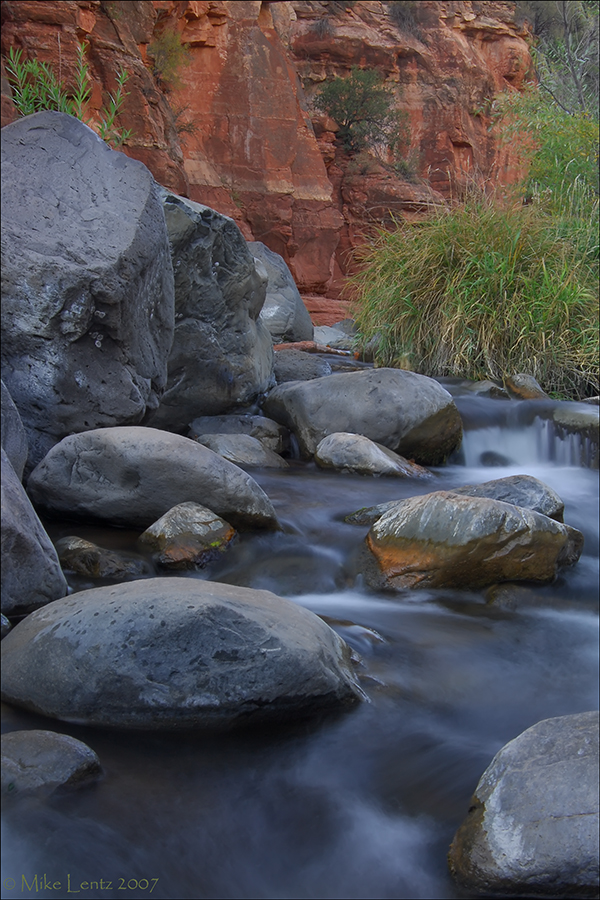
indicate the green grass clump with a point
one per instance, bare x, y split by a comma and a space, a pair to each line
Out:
484, 290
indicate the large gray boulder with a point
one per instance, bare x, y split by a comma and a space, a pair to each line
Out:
132, 475
296, 365
284, 312
532, 826
408, 413
42, 762
31, 572
14, 439
444, 539
222, 354
87, 283
176, 653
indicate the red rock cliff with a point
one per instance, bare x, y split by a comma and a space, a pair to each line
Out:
250, 146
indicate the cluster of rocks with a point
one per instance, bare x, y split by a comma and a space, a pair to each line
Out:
136, 327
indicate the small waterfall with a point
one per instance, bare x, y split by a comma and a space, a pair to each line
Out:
541, 441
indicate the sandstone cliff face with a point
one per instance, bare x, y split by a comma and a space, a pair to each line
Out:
251, 146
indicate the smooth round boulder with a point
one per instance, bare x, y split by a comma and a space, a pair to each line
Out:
169, 653
443, 539
356, 454
408, 413
532, 825
87, 281
132, 476
243, 450
187, 536
42, 762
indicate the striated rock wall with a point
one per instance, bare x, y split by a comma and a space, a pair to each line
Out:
236, 130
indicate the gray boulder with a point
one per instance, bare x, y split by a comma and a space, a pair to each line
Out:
14, 439
243, 450
296, 365
443, 539
283, 313
408, 413
170, 653
271, 434
42, 762
357, 454
532, 826
222, 354
520, 490
31, 573
132, 475
87, 283
187, 536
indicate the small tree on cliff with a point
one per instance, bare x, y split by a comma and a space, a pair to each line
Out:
362, 107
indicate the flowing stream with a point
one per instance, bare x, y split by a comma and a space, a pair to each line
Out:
359, 805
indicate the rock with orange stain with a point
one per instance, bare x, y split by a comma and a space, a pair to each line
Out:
188, 536
447, 540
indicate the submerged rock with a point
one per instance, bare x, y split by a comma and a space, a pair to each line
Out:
444, 539
532, 826
187, 536
132, 476
408, 413
86, 558
357, 454
42, 762
170, 653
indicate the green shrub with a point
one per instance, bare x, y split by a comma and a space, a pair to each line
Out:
480, 291
35, 87
169, 57
362, 107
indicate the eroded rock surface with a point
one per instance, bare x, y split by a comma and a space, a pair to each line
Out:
283, 312
243, 450
87, 283
31, 572
222, 353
